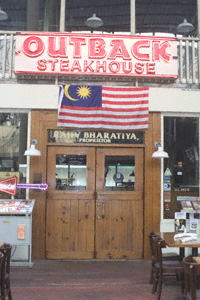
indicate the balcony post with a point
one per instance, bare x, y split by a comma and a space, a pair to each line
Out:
132, 16
62, 15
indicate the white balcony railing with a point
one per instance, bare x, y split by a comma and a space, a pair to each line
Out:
189, 60
7, 51
188, 57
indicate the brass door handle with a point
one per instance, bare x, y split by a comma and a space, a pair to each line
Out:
103, 210
86, 210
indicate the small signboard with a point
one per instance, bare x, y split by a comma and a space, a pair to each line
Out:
180, 221
95, 137
167, 186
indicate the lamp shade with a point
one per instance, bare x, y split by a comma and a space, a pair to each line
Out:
32, 151
185, 27
132, 174
160, 153
3, 15
94, 22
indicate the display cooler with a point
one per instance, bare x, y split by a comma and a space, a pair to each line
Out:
16, 227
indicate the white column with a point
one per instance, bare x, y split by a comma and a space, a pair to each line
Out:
62, 15
198, 18
132, 16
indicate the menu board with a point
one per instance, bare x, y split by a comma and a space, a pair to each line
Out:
16, 206
189, 203
196, 205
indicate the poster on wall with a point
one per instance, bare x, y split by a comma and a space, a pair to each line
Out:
180, 221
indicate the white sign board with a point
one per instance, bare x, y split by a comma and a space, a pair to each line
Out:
92, 54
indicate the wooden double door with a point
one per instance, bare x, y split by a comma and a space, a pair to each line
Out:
94, 203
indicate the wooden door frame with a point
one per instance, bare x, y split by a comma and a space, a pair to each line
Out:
41, 121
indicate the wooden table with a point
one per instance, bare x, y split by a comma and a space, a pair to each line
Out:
169, 239
196, 259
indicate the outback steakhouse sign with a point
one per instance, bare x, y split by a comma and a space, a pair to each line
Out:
87, 54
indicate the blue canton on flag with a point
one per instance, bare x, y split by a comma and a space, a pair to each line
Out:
81, 96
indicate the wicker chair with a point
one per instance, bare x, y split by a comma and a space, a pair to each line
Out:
2, 267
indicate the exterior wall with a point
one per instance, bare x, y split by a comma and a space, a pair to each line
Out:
38, 97
42, 96
42, 120
174, 100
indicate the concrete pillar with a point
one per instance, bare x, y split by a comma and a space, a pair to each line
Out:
23, 138
198, 18
32, 15
50, 15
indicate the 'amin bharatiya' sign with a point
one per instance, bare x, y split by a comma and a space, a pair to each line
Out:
95, 137
96, 54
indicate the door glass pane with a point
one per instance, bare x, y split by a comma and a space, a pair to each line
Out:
13, 143
181, 169
119, 173
70, 172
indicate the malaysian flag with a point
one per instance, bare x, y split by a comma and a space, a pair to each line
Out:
110, 107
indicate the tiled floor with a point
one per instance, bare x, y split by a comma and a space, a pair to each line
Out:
88, 280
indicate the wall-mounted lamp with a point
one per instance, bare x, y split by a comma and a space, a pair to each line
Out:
159, 153
32, 151
94, 22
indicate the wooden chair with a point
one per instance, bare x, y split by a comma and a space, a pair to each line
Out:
5, 272
2, 267
191, 278
170, 256
162, 267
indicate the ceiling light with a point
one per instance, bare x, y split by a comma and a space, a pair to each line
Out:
32, 151
159, 153
94, 22
3, 15
185, 27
